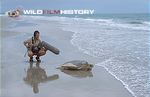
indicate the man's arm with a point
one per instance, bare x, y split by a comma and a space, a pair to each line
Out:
25, 43
28, 43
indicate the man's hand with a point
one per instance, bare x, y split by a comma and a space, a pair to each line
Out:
26, 45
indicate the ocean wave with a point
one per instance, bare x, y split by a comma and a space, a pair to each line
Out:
147, 23
126, 85
123, 46
126, 67
132, 79
135, 22
109, 22
133, 25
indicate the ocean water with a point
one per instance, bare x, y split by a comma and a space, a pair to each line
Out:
120, 42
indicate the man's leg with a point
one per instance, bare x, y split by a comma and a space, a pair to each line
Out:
30, 54
40, 53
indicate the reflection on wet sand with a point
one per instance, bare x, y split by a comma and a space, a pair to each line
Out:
78, 73
36, 75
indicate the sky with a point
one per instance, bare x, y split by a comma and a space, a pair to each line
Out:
100, 6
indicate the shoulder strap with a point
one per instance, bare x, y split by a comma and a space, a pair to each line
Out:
32, 40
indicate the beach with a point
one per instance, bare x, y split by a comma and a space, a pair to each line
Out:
16, 70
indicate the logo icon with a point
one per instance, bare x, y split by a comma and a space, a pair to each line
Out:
13, 13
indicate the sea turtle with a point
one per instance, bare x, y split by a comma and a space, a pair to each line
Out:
76, 65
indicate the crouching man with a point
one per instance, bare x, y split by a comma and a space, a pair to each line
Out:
34, 48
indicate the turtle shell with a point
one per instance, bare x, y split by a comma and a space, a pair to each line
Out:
77, 65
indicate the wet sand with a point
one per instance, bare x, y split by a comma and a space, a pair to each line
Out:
22, 79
